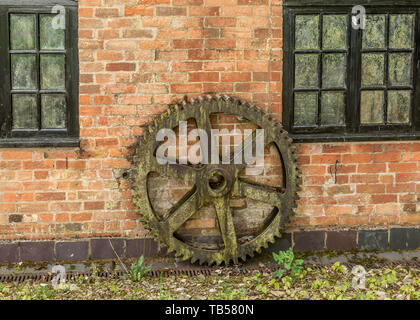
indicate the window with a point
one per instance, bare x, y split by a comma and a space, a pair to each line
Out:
343, 83
38, 73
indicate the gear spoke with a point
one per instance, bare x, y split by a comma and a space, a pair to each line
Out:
203, 123
183, 210
174, 170
263, 193
227, 229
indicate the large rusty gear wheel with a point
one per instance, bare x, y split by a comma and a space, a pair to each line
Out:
282, 199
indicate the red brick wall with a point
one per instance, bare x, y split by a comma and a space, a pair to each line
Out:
377, 184
137, 56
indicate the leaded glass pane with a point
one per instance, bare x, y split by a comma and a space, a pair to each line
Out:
371, 107
24, 71
306, 108
373, 69
334, 32
334, 70
51, 38
53, 108
401, 31
306, 32
306, 72
52, 71
22, 31
25, 111
400, 69
332, 108
399, 102
374, 32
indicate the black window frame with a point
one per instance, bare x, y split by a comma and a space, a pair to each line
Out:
352, 130
15, 138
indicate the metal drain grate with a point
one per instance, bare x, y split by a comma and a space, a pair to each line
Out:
74, 275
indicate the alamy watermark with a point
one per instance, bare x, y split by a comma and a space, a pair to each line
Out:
59, 21
358, 18
207, 149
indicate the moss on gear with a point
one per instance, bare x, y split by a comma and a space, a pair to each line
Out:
282, 199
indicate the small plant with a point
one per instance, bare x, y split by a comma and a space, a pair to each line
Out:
231, 294
339, 268
94, 271
139, 270
288, 264
163, 294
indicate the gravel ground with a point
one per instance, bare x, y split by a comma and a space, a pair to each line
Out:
334, 281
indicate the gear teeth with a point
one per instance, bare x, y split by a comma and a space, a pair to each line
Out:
200, 98
192, 101
227, 98
209, 97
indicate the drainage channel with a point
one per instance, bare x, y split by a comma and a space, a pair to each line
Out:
393, 258
44, 276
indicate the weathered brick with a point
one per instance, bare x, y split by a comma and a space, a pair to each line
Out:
72, 250
103, 249
37, 251
309, 241
373, 240
341, 240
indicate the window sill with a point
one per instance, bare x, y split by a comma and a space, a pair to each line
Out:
39, 142
354, 137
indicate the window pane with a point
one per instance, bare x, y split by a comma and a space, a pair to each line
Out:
22, 31
50, 38
24, 71
333, 70
332, 108
400, 69
306, 31
53, 111
401, 31
374, 33
371, 107
306, 72
334, 32
399, 106
25, 111
306, 108
373, 69
52, 71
